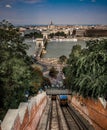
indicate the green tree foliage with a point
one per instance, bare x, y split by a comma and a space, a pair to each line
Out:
87, 69
51, 35
13, 69
16, 74
46, 83
37, 79
53, 73
62, 59
57, 34
34, 35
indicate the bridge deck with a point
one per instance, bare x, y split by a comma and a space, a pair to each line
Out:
58, 92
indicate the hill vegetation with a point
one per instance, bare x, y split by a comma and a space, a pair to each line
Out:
17, 77
86, 71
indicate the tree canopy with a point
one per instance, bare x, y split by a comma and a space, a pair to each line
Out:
57, 34
16, 73
62, 59
53, 72
34, 35
86, 73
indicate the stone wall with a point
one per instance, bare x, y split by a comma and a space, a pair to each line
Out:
27, 116
92, 110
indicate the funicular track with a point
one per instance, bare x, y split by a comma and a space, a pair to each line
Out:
54, 117
73, 121
63, 118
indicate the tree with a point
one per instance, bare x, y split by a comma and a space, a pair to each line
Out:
62, 59
34, 35
87, 70
51, 35
53, 73
57, 34
14, 70
70, 70
16, 73
46, 83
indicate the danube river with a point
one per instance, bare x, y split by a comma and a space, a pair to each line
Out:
32, 46
55, 49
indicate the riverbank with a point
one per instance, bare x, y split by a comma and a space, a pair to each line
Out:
63, 39
89, 38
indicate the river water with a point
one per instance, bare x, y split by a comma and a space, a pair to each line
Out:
54, 49
57, 49
32, 46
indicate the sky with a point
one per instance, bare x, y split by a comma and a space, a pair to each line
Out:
26, 12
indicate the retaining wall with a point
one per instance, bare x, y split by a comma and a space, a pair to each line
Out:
92, 110
27, 116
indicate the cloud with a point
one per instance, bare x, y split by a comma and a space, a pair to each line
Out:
32, 1
8, 6
25, 1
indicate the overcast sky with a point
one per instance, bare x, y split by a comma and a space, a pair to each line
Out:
59, 11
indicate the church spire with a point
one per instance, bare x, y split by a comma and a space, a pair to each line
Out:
51, 23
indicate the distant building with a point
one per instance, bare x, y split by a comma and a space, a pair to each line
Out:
80, 32
95, 32
51, 26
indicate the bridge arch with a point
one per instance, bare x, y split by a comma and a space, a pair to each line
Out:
39, 42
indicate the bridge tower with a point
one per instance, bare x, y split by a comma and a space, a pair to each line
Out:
39, 47
45, 35
39, 43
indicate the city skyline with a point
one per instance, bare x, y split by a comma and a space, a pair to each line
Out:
21, 12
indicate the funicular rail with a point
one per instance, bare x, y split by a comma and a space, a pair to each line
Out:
54, 118
73, 120
63, 117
